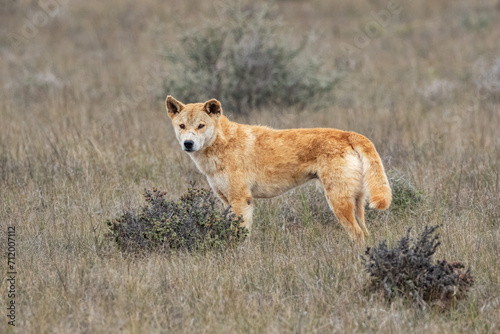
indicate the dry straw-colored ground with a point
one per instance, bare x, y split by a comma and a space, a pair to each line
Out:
69, 159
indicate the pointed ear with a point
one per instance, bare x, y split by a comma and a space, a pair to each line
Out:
173, 106
213, 108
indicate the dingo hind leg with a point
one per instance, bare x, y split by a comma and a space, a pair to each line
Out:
343, 182
339, 194
360, 213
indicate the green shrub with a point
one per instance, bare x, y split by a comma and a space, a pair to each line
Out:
405, 196
239, 58
408, 270
194, 222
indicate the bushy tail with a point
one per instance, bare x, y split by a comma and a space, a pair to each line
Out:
374, 175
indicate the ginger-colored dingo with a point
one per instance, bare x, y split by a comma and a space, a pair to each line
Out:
243, 162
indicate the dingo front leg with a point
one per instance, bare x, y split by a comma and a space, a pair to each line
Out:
242, 205
221, 196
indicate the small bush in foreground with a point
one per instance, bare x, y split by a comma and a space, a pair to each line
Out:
408, 270
195, 222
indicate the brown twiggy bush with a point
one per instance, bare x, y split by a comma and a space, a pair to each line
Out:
408, 270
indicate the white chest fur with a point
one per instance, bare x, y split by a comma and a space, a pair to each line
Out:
214, 171
206, 164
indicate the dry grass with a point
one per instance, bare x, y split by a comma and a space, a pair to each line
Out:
69, 159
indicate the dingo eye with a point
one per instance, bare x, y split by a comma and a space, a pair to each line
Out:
200, 126
182, 126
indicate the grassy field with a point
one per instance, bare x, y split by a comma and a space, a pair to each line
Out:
83, 130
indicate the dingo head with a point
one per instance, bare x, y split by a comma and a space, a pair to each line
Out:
194, 123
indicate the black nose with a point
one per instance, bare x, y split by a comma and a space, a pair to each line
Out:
188, 145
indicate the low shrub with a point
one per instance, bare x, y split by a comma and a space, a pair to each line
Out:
194, 222
405, 196
408, 270
241, 59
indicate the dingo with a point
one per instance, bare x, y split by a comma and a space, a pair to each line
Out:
243, 162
